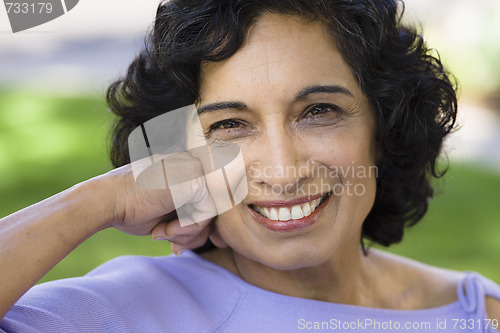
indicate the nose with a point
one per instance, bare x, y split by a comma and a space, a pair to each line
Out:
279, 160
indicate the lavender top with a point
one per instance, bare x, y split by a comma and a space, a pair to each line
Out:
191, 294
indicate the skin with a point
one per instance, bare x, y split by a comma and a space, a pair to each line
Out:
282, 56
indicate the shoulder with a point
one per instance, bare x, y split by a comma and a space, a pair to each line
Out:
492, 301
427, 286
416, 285
493, 308
481, 296
186, 278
127, 292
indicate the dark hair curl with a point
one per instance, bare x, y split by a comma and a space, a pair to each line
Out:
413, 97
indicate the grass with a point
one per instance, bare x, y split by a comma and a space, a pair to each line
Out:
50, 143
461, 230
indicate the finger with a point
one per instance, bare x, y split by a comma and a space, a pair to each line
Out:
187, 240
182, 240
174, 228
204, 204
191, 244
177, 249
159, 232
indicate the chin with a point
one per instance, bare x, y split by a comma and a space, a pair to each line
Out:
296, 261
288, 257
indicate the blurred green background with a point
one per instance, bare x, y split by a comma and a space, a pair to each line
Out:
49, 143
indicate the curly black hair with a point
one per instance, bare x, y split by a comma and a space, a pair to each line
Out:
412, 95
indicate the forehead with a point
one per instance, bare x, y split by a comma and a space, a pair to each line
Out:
280, 53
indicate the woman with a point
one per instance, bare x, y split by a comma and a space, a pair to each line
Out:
339, 91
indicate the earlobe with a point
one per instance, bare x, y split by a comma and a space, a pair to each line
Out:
217, 240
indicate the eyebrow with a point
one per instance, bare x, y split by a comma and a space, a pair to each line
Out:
221, 106
331, 89
335, 89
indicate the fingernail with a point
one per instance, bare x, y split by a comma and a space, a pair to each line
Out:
164, 238
180, 252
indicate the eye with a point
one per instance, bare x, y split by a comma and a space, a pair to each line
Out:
322, 109
320, 114
227, 129
225, 124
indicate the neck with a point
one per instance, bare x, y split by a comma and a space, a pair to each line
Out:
342, 279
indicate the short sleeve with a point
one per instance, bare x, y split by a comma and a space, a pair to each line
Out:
130, 294
472, 294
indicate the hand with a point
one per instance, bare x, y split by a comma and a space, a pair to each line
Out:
142, 207
188, 237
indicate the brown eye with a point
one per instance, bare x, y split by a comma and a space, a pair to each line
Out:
319, 109
225, 124
227, 129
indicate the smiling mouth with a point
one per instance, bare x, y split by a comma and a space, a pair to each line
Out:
287, 213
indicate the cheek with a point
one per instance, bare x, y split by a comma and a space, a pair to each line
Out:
231, 225
345, 152
351, 156
355, 166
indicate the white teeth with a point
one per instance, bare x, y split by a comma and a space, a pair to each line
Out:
306, 209
284, 214
297, 212
273, 214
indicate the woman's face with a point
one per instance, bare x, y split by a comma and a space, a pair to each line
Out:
306, 132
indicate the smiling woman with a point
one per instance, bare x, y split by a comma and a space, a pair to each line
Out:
316, 95
297, 106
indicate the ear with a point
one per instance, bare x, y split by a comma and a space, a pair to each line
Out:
217, 240
493, 309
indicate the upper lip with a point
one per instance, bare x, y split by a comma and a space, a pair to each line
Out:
287, 203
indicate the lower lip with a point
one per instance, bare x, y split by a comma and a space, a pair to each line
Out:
290, 225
